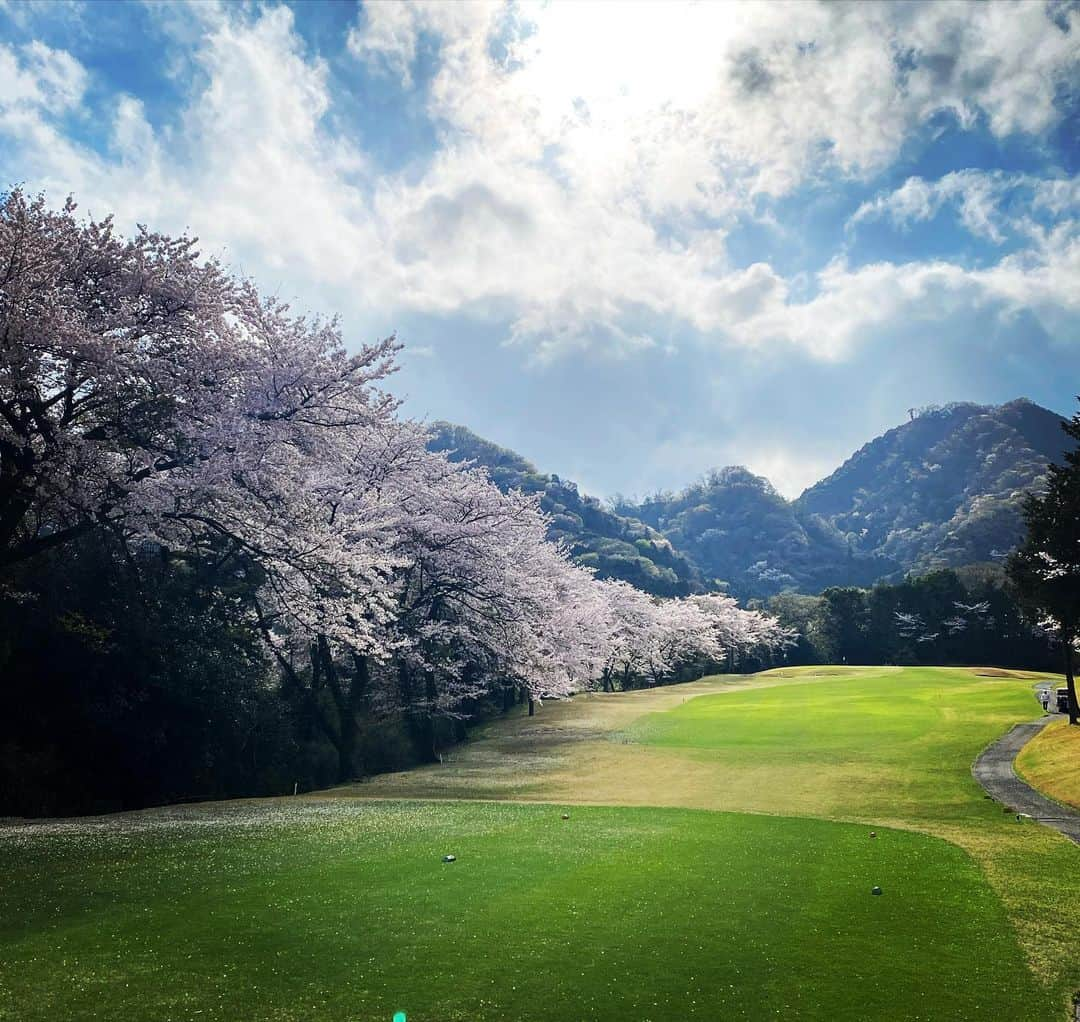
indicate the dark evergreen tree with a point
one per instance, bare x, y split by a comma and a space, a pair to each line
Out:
1046, 568
845, 626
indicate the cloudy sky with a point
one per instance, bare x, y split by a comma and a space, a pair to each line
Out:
631, 241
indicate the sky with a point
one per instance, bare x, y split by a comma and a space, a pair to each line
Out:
631, 241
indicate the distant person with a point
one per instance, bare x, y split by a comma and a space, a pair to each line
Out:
1044, 698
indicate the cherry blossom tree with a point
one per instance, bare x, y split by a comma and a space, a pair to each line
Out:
743, 633
634, 634
651, 638
685, 634
148, 395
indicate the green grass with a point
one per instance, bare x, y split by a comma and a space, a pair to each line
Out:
748, 897
621, 914
890, 746
1051, 763
911, 736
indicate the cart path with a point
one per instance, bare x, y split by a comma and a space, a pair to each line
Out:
994, 771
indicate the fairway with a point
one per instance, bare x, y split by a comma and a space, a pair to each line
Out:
875, 744
752, 903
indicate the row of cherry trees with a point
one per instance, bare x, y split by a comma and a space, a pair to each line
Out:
149, 396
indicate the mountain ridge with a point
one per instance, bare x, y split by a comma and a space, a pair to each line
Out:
962, 469
944, 489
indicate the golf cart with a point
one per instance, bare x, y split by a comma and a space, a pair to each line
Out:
1063, 700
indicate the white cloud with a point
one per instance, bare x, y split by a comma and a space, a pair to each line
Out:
40, 77
609, 139
789, 471
852, 303
686, 455
588, 166
678, 102
980, 200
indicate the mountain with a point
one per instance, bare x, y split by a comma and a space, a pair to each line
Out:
744, 536
942, 490
945, 489
618, 547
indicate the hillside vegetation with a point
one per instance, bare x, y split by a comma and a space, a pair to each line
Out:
942, 490
744, 536
945, 489
616, 546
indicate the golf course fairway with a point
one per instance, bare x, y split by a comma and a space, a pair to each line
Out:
717, 863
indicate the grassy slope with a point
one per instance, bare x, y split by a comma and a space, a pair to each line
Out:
1051, 763
342, 909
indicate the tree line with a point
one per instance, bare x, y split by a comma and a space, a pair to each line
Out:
967, 616
229, 565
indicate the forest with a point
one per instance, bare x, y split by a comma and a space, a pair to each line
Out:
970, 616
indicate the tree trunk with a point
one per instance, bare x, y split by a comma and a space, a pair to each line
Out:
346, 748
532, 707
430, 734
1070, 681
508, 699
347, 730
296, 684
418, 723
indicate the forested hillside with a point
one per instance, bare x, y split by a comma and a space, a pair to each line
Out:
944, 489
746, 537
616, 546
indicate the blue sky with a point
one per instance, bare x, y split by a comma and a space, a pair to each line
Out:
631, 241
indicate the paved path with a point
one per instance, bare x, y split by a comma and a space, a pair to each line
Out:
994, 771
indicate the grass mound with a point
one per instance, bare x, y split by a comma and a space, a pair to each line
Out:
1051, 763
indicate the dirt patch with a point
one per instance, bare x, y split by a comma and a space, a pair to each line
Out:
1000, 672
562, 734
